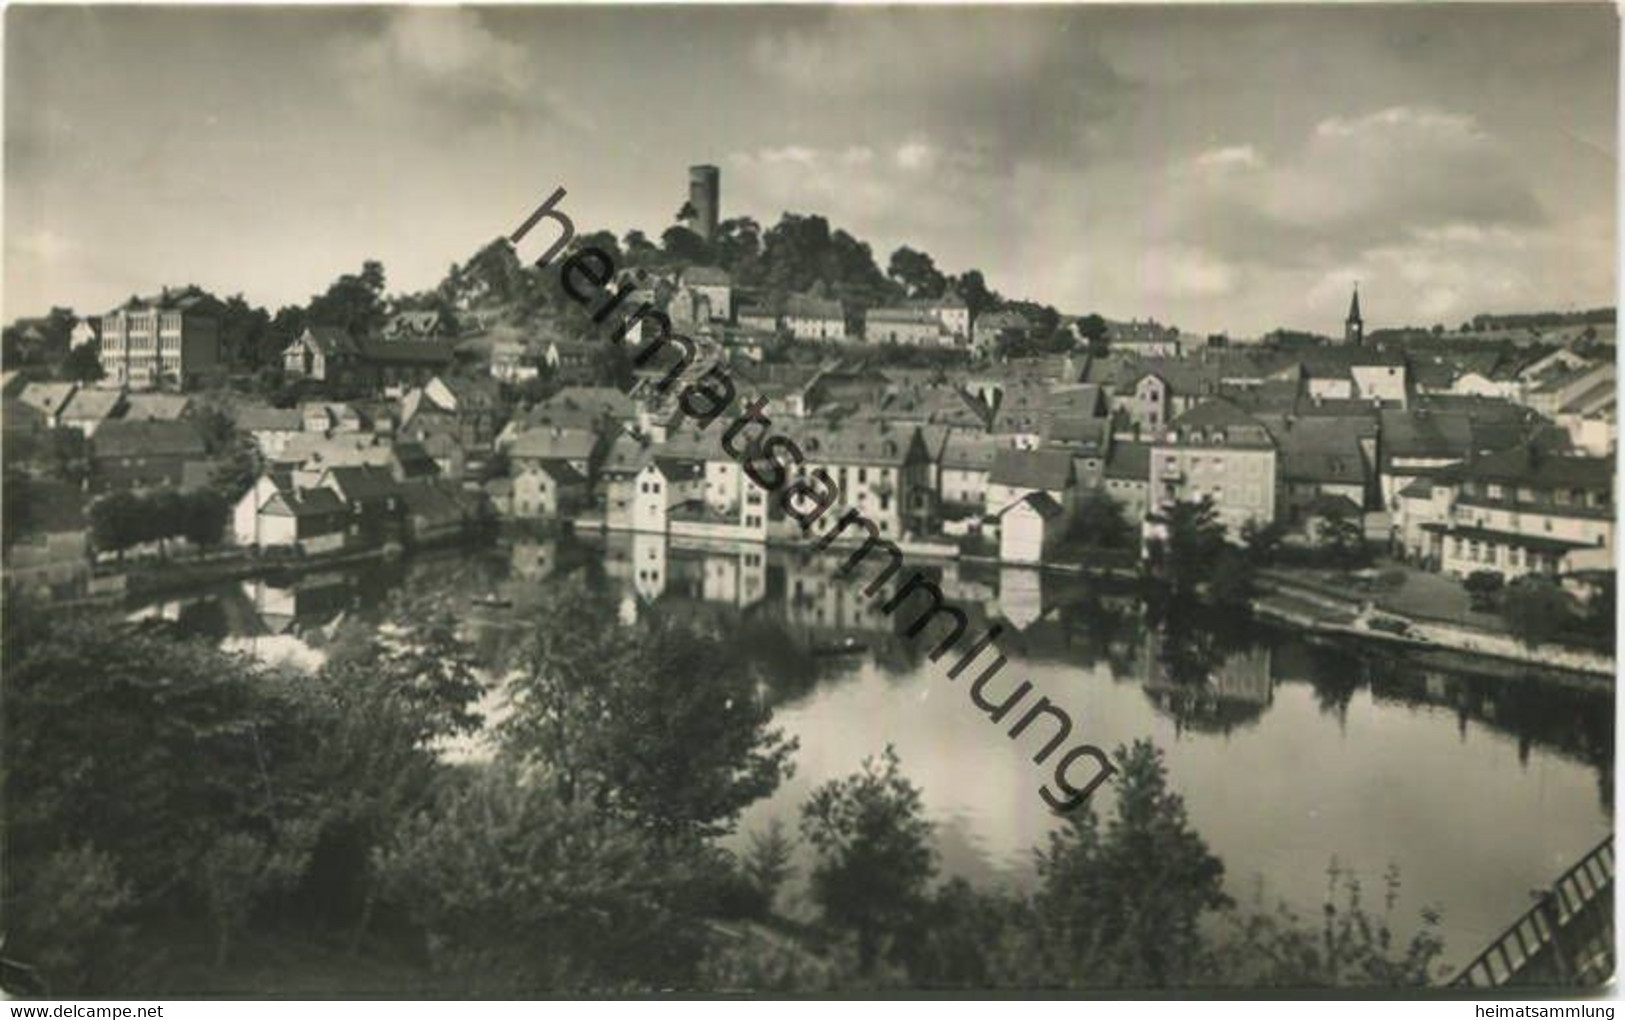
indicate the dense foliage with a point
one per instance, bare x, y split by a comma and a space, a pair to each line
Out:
175, 811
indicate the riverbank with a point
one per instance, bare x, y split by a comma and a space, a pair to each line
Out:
1282, 599
171, 577
1309, 607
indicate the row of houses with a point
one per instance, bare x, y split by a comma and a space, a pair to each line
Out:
1263, 450
38, 406
333, 509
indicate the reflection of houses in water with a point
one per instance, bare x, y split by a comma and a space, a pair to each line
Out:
533, 559
735, 578
822, 604
309, 601
968, 586
647, 568
1021, 596
1204, 687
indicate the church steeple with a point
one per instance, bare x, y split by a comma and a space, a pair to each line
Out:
1354, 326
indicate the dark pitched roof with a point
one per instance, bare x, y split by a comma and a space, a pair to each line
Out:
317, 503
1529, 465
1129, 460
414, 460
252, 418
966, 450
55, 507
803, 306
430, 501
409, 352
1034, 469
365, 482
329, 341
561, 472
861, 443
1042, 502
90, 405
157, 407
147, 439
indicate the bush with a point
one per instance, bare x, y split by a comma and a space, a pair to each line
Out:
1484, 588
1536, 610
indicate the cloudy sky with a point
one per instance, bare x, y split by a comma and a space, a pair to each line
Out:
1228, 169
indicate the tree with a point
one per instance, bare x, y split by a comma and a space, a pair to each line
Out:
767, 861
604, 241
681, 244
142, 755
246, 336
238, 467
917, 273
640, 251
1120, 904
1599, 609
662, 723
162, 517
354, 302
115, 521
16, 514
1194, 537
63, 453
1094, 332
83, 364
1536, 610
1352, 947
1099, 522
739, 248
522, 893
875, 858
68, 920
1262, 541
203, 520
1232, 584
978, 297
1340, 538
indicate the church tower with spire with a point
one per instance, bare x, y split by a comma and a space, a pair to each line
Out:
1354, 326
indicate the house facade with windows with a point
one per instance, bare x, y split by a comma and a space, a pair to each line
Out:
1217, 451
1519, 511
172, 339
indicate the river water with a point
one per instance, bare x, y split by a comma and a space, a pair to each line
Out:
1480, 784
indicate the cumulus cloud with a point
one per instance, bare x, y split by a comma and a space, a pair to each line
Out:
1009, 89
1230, 156
444, 61
1353, 185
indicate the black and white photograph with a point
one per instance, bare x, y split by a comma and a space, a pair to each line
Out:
808, 501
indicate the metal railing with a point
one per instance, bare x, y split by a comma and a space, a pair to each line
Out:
1567, 938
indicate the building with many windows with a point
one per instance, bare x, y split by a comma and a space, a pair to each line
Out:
1518, 511
1217, 450
172, 339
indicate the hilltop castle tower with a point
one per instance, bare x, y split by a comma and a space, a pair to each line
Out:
705, 197
1354, 326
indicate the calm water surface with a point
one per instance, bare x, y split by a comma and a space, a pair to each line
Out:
1480, 786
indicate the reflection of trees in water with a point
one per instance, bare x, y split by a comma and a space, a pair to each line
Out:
205, 618
1207, 670
784, 666
1537, 710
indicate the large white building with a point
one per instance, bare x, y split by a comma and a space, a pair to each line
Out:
172, 339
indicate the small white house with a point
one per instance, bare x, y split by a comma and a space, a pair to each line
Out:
1029, 527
